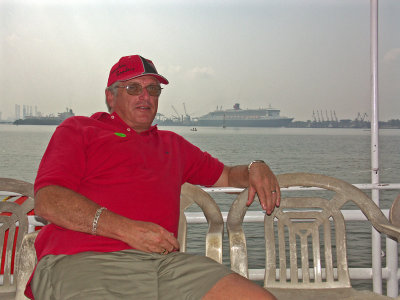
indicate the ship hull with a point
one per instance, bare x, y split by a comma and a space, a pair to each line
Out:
41, 121
284, 122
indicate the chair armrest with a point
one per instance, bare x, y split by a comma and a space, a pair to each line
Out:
16, 186
390, 230
237, 239
194, 194
394, 214
26, 263
214, 242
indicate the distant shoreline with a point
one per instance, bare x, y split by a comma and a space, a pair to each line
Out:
391, 124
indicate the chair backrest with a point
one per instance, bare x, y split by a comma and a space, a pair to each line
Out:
305, 238
191, 194
13, 226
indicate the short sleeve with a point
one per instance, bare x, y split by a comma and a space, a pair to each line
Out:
200, 167
63, 162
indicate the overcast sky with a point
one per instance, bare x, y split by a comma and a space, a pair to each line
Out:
295, 55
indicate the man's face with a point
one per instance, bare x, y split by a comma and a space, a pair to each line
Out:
138, 111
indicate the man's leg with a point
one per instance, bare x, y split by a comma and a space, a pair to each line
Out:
234, 286
121, 275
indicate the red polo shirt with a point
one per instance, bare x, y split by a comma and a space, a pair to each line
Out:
135, 175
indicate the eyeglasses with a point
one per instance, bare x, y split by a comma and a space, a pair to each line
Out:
136, 89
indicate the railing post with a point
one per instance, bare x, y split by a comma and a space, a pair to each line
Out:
392, 261
376, 242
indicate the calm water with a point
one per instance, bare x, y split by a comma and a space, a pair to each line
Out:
341, 153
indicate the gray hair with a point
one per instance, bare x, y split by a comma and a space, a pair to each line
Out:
113, 89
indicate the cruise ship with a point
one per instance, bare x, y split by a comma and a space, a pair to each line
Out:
237, 117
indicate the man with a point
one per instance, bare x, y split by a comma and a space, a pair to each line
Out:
110, 187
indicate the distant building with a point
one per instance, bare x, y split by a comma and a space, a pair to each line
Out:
17, 111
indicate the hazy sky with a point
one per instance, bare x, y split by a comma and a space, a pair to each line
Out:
295, 55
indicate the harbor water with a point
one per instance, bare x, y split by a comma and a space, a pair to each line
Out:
341, 153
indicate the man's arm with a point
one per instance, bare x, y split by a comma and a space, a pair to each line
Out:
259, 179
70, 210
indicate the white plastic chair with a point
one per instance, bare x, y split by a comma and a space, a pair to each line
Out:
305, 240
13, 224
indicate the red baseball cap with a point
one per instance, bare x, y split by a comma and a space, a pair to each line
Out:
133, 66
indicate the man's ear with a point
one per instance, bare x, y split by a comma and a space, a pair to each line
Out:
109, 99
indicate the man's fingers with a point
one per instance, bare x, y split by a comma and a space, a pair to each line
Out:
173, 242
263, 182
167, 242
269, 197
151, 237
252, 194
278, 196
269, 202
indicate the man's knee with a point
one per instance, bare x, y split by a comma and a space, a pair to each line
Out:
234, 286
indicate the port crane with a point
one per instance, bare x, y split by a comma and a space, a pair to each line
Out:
177, 114
183, 119
334, 113
360, 117
319, 119
186, 114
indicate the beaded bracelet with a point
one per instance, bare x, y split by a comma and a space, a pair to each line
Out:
96, 219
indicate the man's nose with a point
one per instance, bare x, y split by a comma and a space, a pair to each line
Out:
145, 93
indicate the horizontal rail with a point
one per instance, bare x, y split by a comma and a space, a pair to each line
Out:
250, 217
258, 216
361, 186
355, 273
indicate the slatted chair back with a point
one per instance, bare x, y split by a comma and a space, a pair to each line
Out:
294, 237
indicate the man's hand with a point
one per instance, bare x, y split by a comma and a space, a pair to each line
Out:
263, 182
150, 237
259, 179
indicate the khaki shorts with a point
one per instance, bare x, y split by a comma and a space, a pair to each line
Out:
127, 274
